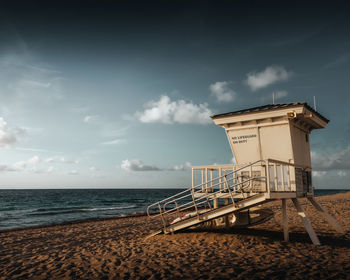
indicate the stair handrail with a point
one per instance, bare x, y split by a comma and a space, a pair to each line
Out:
209, 196
192, 191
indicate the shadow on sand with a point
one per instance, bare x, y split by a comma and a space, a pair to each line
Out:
326, 238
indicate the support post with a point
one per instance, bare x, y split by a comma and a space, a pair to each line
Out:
285, 220
192, 177
327, 216
216, 203
227, 222
306, 222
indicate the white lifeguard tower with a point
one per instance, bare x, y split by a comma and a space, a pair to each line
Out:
272, 151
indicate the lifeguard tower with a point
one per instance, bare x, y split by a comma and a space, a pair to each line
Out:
271, 147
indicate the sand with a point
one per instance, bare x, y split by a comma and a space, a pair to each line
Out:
117, 249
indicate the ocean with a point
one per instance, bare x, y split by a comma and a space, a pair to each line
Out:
32, 208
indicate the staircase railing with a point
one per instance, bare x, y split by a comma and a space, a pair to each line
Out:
198, 199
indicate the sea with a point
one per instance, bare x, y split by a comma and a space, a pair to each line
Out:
41, 207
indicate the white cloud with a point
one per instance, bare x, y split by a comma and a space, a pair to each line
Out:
61, 159
110, 130
70, 161
342, 173
73, 172
137, 165
114, 142
222, 91
319, 173
271, 75
181, 167
31, 150
338, 160
50, 160
50, 169
94, 169
7, 137
280, 94
91, 118
168, 112
33, 160
21, 165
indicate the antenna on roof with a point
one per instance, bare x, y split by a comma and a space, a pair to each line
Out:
273, 97
315, 103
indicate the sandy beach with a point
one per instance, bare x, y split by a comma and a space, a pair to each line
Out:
117, 249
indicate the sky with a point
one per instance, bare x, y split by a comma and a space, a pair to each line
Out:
118, 94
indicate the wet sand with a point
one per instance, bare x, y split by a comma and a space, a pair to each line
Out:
117, 249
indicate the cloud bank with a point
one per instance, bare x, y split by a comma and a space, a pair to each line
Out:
166, 111
331, 161
137, 165
271, 75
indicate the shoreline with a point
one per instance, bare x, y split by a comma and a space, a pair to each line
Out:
116, 248
88, 220
123, 216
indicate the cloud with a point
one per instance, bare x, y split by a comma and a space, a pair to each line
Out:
91, 118
110, 130
319, 173
20, 164
342, 173
31, 150
6, 168
271, 75
94, 169
58, 159
168, 112
343, 59
50, 160
137, 165
7, 137
114, 142
36, 84
338, 160
31, 166
80, 109
34, 160
73, 172
181, 167
24, 163
37, 170
222, 91
70, 161
28, 80
280, 94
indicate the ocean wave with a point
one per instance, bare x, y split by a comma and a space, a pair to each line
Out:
112, 208
73, 210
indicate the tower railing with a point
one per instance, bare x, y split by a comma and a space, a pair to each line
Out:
234, 183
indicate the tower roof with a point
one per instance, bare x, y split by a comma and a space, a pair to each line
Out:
270, 107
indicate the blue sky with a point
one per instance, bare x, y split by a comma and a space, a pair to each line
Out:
111, 95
